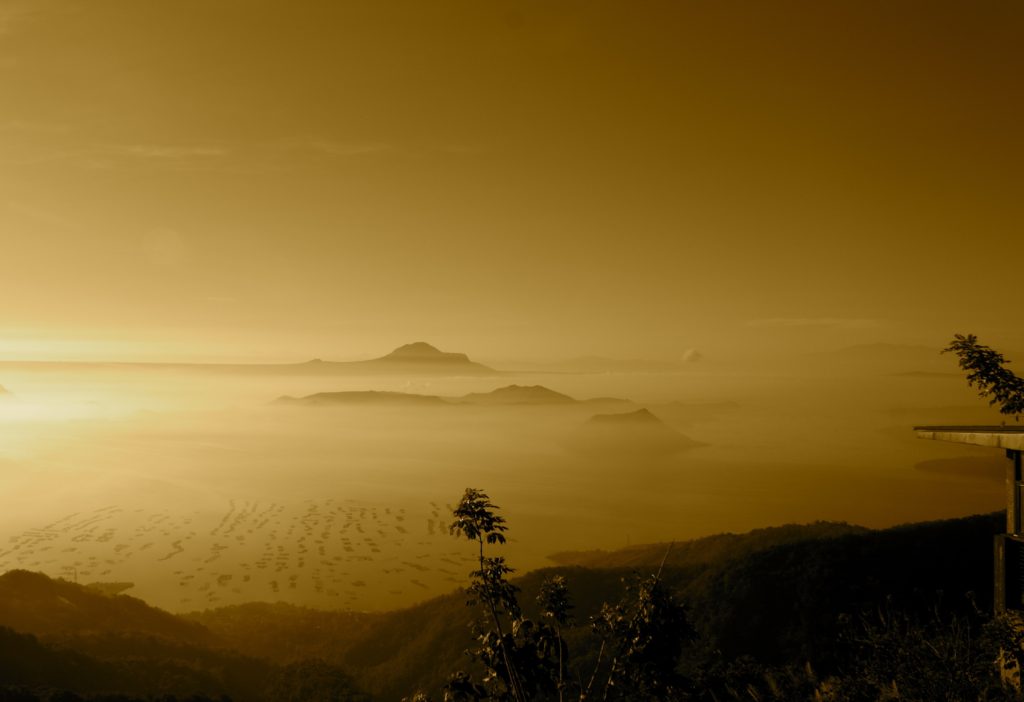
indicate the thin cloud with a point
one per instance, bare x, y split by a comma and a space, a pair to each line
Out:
277, 156
163, 152
108, 156
812, 322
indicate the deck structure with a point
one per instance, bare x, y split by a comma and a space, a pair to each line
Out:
1009, 547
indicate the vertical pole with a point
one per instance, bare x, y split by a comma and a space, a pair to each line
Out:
1008, 585
1013, 484
999, 580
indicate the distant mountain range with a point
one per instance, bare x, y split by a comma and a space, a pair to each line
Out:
363, 397
507, 395
417, 358
612, 434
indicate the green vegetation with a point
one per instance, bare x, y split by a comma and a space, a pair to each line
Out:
986, 369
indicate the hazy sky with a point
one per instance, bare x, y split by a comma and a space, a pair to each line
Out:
217, 179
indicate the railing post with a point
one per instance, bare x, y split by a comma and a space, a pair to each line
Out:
1013, 487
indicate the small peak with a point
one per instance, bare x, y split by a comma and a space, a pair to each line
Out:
529, 391
421, 351
519, 394
416, 348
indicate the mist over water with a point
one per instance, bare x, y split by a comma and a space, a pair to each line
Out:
202, 492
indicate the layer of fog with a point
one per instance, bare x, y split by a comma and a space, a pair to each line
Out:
199, 490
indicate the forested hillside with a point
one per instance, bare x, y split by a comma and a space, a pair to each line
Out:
762, 604
776, 595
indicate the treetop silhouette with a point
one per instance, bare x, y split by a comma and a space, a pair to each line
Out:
986, 370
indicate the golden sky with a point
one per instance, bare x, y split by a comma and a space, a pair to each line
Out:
281, 180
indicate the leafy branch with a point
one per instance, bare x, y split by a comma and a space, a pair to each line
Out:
986, 370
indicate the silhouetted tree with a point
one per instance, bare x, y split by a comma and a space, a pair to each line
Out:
524, 660
986, 369
643, 636
555, 606
476, 519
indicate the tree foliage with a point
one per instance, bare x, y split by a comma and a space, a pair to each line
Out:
476, 519
527, 660
986, 370
645, 635
941, 657
518, 655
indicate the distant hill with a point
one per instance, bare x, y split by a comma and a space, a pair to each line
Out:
363, 397
519, 395
640, 418
631, 432
33, 603
421, 357
417, 358
422, 352
706, 549
508, 395
72, 637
